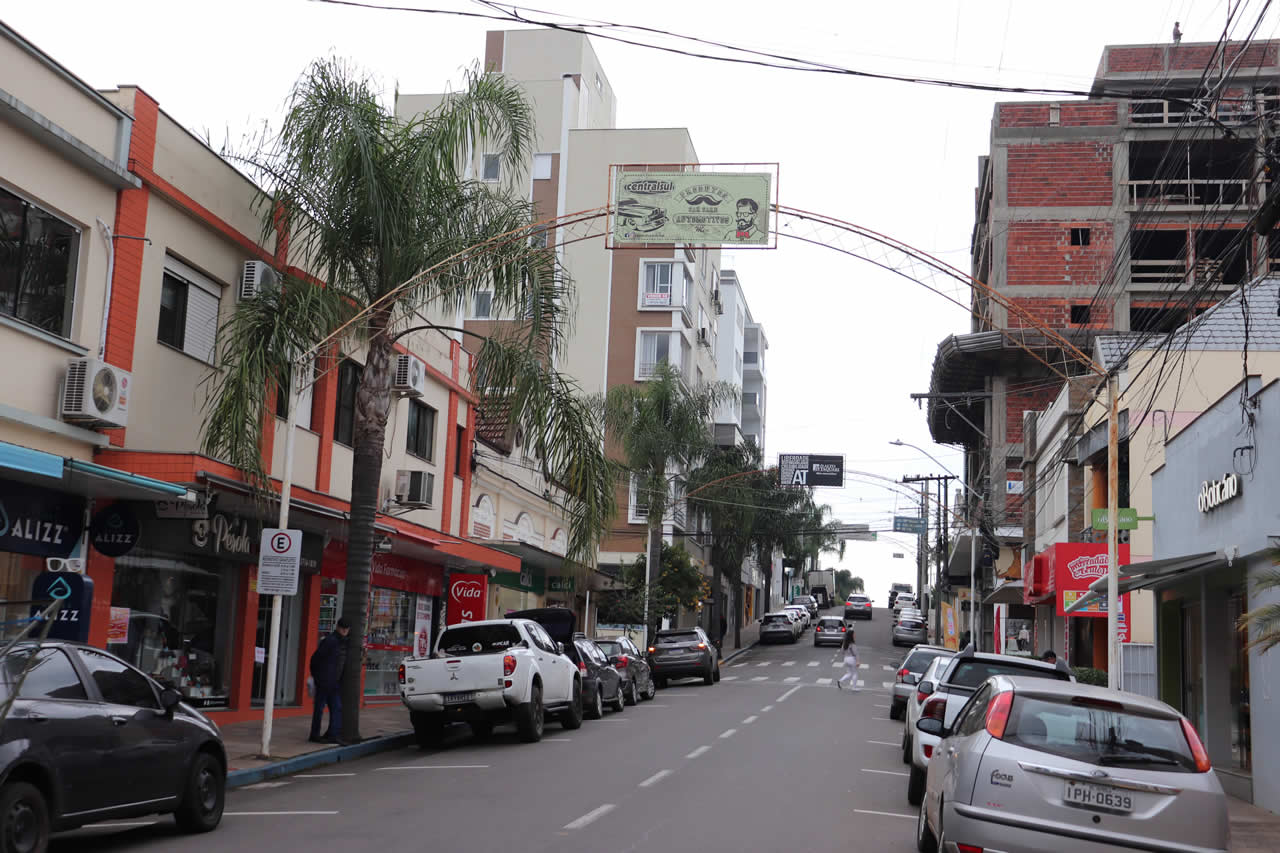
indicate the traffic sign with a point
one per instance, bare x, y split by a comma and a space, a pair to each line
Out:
910, 524
279, 556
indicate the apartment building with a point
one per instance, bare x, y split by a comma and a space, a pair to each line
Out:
128, 242
1094, 216
636, 307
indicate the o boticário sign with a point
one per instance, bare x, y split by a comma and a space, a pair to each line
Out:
698, 208
1214, 493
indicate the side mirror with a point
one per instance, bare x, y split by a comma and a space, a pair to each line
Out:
931, 726
911, 678
560, 648
169, 699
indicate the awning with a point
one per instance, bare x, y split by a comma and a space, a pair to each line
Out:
532, 555
83, 478
1136, 576
1009, 592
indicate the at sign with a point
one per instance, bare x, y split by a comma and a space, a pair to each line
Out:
468, 598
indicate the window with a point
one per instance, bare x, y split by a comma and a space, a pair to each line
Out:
118, 682
741, 320
304, 397
657, 284
973, 716
599, 83
1100, 733
461, 640
542, 167
460, 453
344, 421
51, 675
38, 254
189, 305
422, 430
688, 285
492, 167
543, 639
639, 501
737, 363
1080, 314
1079, 236
483, 305
655, 349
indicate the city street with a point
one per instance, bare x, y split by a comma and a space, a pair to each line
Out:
772, 757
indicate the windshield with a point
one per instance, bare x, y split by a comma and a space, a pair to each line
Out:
971, 673
477, 640
776, 620
919, 661
678, 637
828, 622
1099, 733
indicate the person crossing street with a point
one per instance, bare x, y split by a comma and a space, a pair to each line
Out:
849, 650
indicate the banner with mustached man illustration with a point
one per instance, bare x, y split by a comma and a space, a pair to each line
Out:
695, 208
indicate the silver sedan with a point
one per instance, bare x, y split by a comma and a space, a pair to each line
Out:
1032, 764
910, 629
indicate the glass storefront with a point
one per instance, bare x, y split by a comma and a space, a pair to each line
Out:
180, 617
1241, 729
390, 639
290, 631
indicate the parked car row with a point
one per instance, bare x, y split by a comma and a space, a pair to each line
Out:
1011, 754
534, 664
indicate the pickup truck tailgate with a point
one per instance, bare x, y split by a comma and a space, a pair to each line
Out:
453, 675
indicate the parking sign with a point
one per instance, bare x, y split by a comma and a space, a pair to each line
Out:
279, 555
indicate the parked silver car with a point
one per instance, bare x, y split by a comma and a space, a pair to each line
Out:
1034, 764
915, 703
910, 629
779, 628
910, 674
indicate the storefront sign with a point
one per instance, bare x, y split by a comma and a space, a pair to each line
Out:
76, 593
560, 583
184, 509
525, 581
39, 521
118, 625
468, 597
1126, 518
422, 627
1076, 565
1214, 493
114, 531
223, 535
279, 557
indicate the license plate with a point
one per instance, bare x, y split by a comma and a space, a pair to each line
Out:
1098, 797
459, 698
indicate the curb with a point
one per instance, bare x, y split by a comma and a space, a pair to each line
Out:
741, 651
319, 758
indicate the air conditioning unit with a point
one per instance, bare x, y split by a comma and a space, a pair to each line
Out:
255, 276
96, 394
415, 488
715, 301
410, 379
704, 337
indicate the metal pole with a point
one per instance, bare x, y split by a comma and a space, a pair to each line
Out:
922, 563
973, 589
1113, 547
286, 487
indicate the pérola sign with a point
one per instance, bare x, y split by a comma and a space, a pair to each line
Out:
698, 208
1214, 493
808, 469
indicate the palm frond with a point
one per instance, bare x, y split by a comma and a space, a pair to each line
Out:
1263, 621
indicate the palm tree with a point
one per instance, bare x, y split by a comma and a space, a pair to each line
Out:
662, 427
374, 205
1264, 620
789, 521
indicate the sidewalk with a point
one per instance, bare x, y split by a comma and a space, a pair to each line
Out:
1253, 830
383, 727
750, 636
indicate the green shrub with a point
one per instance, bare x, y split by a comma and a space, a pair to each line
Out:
1089, 675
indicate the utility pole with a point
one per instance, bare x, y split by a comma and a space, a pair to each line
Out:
1113, 548
924, 550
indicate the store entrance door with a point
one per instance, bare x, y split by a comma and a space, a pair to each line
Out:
287, 670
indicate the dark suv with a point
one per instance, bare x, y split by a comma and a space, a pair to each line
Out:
601, 681
88, 738
637, 678
683, 653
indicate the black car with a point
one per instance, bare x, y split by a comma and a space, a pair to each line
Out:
683, 653
88, 738
601, 681
637, 678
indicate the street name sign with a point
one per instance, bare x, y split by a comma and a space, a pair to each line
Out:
279, 556
1126, 518
909, 524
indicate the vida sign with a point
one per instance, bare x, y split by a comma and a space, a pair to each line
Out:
468, 598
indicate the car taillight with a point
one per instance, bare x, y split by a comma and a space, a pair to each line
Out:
902, 673
1203, 765
702, 645
998, 714
651, 650
401, 673
843, 629
968, 848
623, 660
508, 664
928, 750
818, 630
582, 667
935, 708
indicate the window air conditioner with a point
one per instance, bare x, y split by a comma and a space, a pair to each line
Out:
414, 488
95, 394
410, 378
255, 276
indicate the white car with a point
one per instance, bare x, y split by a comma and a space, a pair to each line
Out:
801, 611
904, 601
916, 701
491, 672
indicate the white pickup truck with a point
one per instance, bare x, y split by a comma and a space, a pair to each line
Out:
488, 673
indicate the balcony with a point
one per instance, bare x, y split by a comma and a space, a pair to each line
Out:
751, 402
1153, 112
1186, 193
752, 363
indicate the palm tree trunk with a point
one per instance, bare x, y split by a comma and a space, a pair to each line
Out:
717, 597
653, 567
737, 613
373, 403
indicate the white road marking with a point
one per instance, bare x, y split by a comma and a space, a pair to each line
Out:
259, 786
736, 665
888, 668
664, 706
784, 696
120, 824
864, 666
886, 814
792, 680
728, 733
824, 680
590, 817
888, 685
879, 706
789, 663
766, 709
702, 750
749, 720
274, 814
764, 663
812, 663
728, 678
331, 775
835, 664
884, 743
761, 678
436, 767
656, 777
885, 772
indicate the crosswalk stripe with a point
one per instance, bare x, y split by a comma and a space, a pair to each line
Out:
789, 663
864, 666
824, 680
729, 678
888, 668
813, 663
836, 664
792, 680
736, 665
761, 678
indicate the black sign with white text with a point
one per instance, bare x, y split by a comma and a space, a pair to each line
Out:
810, 469
39, 521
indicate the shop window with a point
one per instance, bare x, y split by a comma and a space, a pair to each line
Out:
180, 615
189, 305
345, 416
390, 638
118, 683
421, 439
38, 255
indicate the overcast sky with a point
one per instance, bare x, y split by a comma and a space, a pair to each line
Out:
848, 342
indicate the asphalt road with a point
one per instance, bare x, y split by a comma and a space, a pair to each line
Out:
772, 758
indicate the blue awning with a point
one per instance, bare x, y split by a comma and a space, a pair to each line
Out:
83, 478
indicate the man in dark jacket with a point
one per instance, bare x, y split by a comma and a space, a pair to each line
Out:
327, 665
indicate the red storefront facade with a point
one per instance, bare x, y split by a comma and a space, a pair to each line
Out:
1058, 576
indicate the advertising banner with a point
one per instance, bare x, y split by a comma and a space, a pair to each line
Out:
1075, 565
468, 598
39, 521
422, 627
810, 469
699, 208
950, 636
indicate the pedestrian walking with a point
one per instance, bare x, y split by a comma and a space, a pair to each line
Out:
849, 650
327, 665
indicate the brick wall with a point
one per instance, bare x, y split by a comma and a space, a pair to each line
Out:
1060, 173
1070, 114
1192, 57
1088, 114
1040, 253
1033, 396
1023, 115
1135, 59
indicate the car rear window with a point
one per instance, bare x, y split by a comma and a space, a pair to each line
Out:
477, 640
910, 624
611, 649
971, 673
776, 620
677, 637
918, 661
858, 598
830, 622
1101, 733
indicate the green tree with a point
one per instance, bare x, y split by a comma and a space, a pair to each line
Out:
788, 520
1264, 621
847, 584
662, 427
678, 585
374, 205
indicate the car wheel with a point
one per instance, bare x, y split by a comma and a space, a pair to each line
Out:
652, 691
717, 672
906, 748
481, 729
595, 704
530, 718
571, 717
915, 786
896, 710
926, 842
632, 694
709, 677
619, 701
428, 729
202, 800
24, 818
